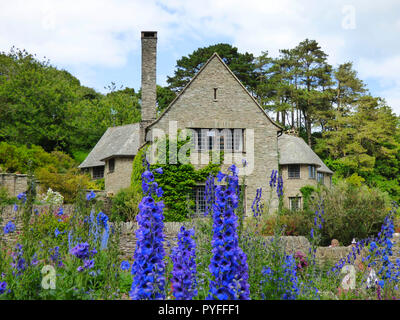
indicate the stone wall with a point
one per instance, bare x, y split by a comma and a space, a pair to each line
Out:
120, 177
291, 244
232, 108
14, 183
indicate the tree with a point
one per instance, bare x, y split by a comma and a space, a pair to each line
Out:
314, 80
365, 141
241, 64
35, 101
164, 97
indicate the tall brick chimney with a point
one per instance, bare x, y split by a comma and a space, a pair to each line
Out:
149, 54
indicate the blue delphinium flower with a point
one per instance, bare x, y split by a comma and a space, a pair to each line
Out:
159, 170
19, 263
184, 266
255, 207
282, 282
91, 195
279, 187
55, 256
272, 181
22, 197
102, 221
229, 263
60, 211
34, 260
15, 207
149, 266
3, 287
125, 265
9, 227
81, 250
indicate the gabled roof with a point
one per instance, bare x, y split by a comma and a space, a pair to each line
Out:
118, 141
294, 150
214, 56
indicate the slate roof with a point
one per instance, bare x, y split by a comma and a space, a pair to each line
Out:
121, 141
294, 150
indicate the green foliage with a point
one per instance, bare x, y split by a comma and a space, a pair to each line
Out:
38, 243
68, 184
164, 97
241, 64
177, 181
306, 191
352, 212
14, 158
125, 205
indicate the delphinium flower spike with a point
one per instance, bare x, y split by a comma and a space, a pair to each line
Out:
184, 266
228, 263
148, 267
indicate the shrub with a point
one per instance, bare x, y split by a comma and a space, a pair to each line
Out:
352, 212
68, 184
21, 159
124, 205
292, 223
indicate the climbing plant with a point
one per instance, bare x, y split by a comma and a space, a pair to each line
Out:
177, 180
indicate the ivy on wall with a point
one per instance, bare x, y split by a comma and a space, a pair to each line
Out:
177, 180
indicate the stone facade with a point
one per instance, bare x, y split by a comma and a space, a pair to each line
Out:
233, 107
120, 177
292, 186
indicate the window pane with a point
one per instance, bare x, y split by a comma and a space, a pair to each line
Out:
294, 171
311, 171
98, 172
238, 139
320, 177
197, 196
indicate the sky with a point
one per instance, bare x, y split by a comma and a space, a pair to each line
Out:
98, 41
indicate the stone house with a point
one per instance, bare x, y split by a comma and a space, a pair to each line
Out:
218, 113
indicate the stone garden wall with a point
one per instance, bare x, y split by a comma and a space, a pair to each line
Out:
128, 239
14, 183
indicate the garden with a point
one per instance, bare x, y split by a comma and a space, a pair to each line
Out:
52, 254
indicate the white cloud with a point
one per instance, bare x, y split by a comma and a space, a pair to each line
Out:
90, 34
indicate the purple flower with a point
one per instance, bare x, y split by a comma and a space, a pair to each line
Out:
81, 250
22, 197
91, 195
125, 265
3, 287
229, 271
184, 266
9, 227
159, 170
149, 266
